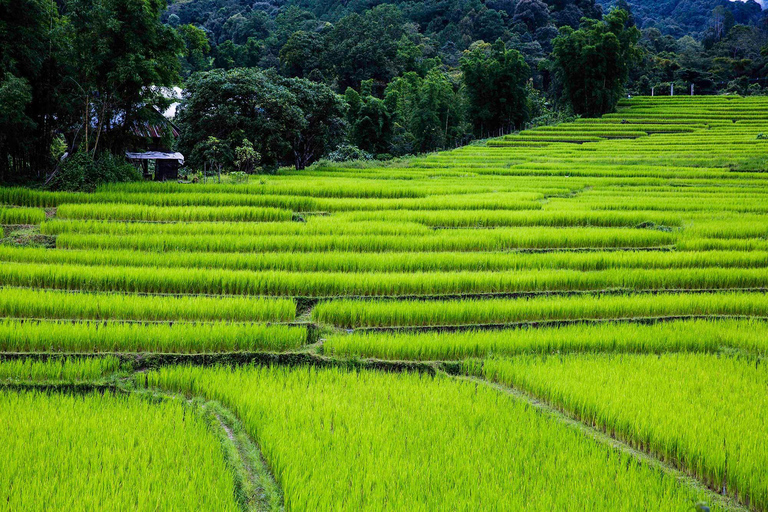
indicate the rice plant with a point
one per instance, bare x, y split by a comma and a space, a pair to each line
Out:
358, 313
502, 239
676, 336
704, 413
111, 336
377, 441
107, 211
61, 370
54, 304
21, 215
340, 284
336, 261
107, 452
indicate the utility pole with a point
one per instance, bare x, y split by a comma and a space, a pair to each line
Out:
672, 89
653, 91
691, 89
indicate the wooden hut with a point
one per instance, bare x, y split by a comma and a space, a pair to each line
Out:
151, 148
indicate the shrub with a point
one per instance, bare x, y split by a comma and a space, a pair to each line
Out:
347, 152
81, 172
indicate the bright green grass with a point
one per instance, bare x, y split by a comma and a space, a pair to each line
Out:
339, 284
106, 452
375, 441
21, 215
705, 413
359, 313
66, 370
25, 303
684, 335
36, 336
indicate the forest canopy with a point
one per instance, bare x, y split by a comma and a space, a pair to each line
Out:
368, 79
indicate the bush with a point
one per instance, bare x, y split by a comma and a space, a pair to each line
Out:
80, 172
347, 152
238, 177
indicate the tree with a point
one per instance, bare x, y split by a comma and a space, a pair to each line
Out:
532, 13
15, 97
427, 112
246, 157
288, 120
30, 80
196, 49
121, 55
592, 64
365, 46
214, 152
369, 120
322, 125
301, 53
494, 81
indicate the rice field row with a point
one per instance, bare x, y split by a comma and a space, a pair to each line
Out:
502, 239
359, 313
344, 284
352, 262
55, 304
674, 336
705, 413
24, 335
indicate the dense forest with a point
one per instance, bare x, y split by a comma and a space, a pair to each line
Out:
339, 79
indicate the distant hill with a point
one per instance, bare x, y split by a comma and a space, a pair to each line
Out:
688, 17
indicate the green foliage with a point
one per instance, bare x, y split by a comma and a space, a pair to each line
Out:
81, 172
592, 63
196, 49
81, 73
494, 80
118, 70
246, 158
428, 112
369, 121
347, 152
289, 120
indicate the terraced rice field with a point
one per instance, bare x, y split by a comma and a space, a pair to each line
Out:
573, 318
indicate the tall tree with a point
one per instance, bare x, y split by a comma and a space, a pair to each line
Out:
30, 76
288, 120
427, 112
494, 81
365, 46
321, 127
121, 56
592, 64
